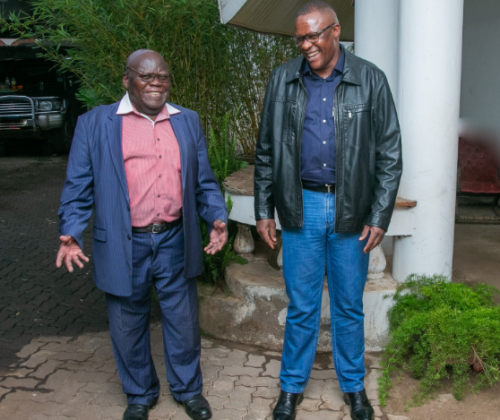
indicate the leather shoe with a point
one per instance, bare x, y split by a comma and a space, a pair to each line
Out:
285, 407
361, 409
197, 407
138, 411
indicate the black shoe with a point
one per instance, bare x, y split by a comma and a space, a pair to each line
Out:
197, 407
285, 407
361, 409
138, 411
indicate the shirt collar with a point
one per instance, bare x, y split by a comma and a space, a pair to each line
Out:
126, 107
339, 67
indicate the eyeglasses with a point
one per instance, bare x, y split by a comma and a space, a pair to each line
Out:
149, 77
313, 37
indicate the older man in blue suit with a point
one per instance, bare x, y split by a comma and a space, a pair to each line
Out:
142, 163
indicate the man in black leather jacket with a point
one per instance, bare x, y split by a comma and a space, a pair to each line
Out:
328, 160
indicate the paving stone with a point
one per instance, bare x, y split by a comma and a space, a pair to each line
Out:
102, 354
101, 388
115, 412
323, 374
272, 368
315, 388
18, 373
56, 380
266, 392
76, 356
29, 349
378, 411
227, 414
223, 386
309, 404
260, 381
240, 371
164, 409
18, 382
273, 354
96, 376
320, 415
332, 400
240, 398
4, 391
236, 358
255, 361
374, 360
45, 417
217, 402
46, 369
259, 409
37, 359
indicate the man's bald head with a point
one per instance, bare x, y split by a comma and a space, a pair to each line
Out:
138, 56
318, 6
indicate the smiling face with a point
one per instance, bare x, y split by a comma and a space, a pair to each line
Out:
324, 54
148, 98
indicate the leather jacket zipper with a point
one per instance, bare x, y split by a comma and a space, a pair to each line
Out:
335, 113
303, 117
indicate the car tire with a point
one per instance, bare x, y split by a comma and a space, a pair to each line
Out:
60, 138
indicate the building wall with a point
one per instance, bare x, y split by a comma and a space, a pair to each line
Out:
480, 101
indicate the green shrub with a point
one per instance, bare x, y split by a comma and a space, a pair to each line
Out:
442, 330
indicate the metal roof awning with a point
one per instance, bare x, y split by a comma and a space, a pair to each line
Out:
278, 16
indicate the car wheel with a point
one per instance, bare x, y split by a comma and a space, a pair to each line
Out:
60, 138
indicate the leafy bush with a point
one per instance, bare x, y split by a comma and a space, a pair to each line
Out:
443, 330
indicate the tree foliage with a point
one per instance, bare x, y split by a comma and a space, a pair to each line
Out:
443, 330
216, 68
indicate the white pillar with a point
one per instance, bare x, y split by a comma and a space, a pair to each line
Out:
376, 35
428, 102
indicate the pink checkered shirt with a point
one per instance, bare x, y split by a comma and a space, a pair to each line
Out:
152, 165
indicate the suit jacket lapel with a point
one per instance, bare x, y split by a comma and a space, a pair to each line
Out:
177, 123
114, 128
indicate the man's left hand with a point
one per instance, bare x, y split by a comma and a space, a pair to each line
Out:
218, 238
376, 236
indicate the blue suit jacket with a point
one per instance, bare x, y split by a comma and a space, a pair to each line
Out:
96, 177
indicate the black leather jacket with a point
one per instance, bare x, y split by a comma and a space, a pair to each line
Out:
368, 146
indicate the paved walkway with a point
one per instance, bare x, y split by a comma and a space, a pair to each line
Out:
55, 354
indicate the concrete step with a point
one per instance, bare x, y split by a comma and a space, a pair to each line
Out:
254, 311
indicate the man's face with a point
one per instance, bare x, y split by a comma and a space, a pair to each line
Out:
323, 54
148, 98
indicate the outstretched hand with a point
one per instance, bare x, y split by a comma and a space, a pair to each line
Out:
376, 236
70, 252
218, 237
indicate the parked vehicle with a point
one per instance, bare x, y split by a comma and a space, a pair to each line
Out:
36, 100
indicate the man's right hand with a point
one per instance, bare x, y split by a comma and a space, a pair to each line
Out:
70, 252
267, 231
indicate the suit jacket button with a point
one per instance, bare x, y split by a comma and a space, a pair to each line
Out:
129, 237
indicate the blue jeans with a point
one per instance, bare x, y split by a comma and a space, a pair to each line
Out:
306, 253
157, 259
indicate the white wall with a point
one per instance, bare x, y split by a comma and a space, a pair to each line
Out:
480, 98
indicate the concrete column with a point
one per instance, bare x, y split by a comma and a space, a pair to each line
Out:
376, 35
428, 102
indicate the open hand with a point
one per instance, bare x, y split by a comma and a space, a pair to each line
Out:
70, 252
218, 237
267, 231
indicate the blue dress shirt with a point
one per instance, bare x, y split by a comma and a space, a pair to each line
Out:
318, 139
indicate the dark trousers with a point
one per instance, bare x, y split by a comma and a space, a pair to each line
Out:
157, 259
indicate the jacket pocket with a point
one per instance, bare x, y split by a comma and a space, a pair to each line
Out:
356, 123
99, 234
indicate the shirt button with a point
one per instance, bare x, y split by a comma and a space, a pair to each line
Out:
158, 195
160, 156
158, 139
324, 164
324, 142
129, 237
159, 176
324, 99
158, 214
324, 121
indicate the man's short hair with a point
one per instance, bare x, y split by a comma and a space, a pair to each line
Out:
315, 6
